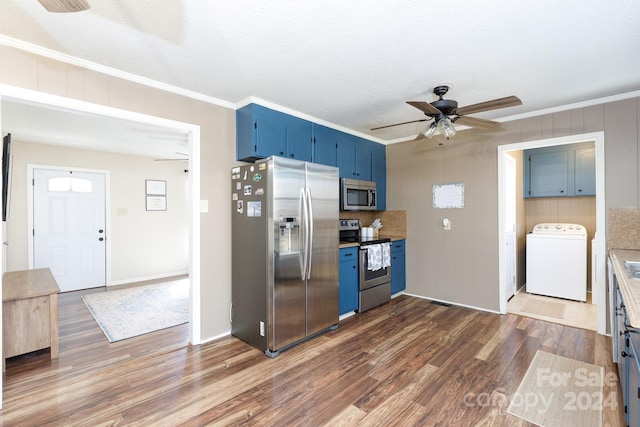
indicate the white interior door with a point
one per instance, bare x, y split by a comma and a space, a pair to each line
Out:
510, 224
69, 219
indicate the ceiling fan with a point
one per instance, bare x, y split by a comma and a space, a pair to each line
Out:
64, 6
445, 112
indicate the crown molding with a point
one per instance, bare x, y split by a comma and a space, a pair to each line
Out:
68, 59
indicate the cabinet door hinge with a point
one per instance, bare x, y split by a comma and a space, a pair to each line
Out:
638, 392
33, 232
255, 125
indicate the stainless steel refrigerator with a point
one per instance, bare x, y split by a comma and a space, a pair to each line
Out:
284, 252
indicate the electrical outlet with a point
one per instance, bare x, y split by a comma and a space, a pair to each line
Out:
261, 328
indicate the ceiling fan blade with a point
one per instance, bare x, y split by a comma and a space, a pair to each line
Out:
508, 101
475, 122
398, 124
64, 6
425, 107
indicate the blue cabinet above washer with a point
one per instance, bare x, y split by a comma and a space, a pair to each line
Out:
560, 171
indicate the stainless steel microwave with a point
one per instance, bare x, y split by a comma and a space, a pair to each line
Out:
357, 195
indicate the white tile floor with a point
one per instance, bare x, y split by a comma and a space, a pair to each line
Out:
577, 314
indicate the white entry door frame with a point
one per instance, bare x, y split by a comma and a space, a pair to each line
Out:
599, 292
67, 280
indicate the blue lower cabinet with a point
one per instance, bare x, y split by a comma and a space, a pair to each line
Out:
348, 279
398, 267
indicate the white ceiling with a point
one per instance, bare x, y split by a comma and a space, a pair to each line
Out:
354, 63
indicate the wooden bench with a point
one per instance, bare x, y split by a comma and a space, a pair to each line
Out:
29, 312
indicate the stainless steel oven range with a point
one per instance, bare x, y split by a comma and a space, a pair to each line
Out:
374, 265
374, 272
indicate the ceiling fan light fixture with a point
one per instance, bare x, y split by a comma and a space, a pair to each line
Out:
430, 130
65, 6
446, 127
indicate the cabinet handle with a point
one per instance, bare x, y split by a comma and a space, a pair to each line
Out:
562, 191
281, 153
348, 254
292, 155
353, 266
624, 354
580, 190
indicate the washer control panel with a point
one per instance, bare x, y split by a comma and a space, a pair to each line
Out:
559, 228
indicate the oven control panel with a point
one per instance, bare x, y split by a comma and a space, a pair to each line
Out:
349, 224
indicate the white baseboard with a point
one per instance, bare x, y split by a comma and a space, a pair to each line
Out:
144, 279
454, 303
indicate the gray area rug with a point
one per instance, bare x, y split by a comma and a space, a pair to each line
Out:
558, 392
126, 313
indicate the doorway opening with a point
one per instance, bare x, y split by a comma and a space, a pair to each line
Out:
154, 126
599, 265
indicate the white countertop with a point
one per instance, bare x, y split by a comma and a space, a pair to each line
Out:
629, 286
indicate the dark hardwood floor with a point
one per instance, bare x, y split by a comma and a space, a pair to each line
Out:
406, 363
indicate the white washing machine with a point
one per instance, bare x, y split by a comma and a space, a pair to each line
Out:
557, 261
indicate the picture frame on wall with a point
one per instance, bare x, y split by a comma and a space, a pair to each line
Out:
154, 187
156, 203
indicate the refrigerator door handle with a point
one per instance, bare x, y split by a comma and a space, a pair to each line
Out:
304, 233
310, 221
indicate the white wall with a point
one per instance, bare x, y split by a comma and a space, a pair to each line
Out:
144, 244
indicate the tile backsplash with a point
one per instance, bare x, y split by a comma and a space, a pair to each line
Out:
394, 223
623, 228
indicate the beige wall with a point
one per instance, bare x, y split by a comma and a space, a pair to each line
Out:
217, 128
144, 244
461, 265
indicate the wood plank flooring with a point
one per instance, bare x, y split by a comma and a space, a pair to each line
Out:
407, 363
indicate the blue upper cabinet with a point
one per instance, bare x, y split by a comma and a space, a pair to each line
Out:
560, 171
585, 172
347, 156
325, 145
262, 132
299, 138
548, 174
355, 157
379, 173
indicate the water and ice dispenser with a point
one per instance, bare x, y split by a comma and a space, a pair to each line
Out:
289, 235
